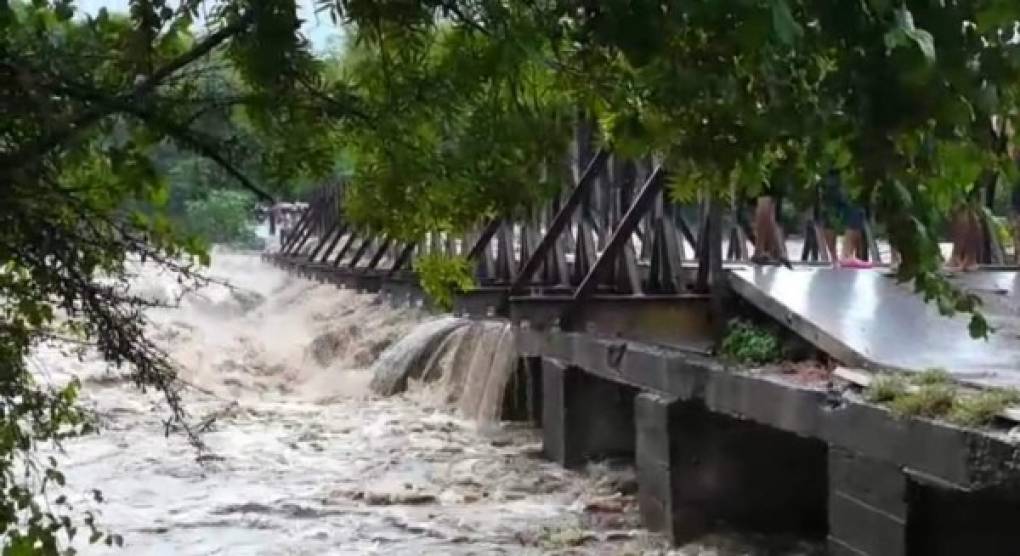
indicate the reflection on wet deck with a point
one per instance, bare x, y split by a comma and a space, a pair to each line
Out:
865, 318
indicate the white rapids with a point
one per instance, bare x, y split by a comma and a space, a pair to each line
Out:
304, 459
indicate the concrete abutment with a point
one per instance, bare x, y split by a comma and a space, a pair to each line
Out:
698, 470
584, 417
701, 469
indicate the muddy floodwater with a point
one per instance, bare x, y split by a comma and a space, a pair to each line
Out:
303, 459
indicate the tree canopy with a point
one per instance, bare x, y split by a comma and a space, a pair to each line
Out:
900, 96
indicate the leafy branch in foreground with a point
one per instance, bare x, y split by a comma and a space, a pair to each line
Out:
86, 104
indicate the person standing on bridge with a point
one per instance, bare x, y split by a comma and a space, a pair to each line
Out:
769, 244
842, 216
967, 232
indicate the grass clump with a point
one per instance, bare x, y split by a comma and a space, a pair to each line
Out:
749, 343
933, 395
930, 401
885, 388
933, 377
982, 408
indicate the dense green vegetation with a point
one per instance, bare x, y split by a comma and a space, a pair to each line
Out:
443, 277
86, 107
899, 95
443, 113
746, 342
222, 217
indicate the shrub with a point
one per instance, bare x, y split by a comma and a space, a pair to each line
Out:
930, 401
982, 408
885, 388
441, 277
932, 377
748, 343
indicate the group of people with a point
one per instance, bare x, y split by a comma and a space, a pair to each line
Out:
842, 216
838, 214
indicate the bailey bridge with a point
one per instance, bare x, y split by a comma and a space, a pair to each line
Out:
620, 296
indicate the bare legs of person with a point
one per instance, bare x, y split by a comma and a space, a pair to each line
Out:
975, 239
853, 245
957, 231
1016, 237
852, 255
967, 234
853, 240
831, 239
765, 231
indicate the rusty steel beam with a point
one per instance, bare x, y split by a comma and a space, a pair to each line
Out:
341, 230
361, 251
559, 222
325, 240
402, 259
311, 214
305, 237
347, 246
621, 234
483, 239
302, 223
379, 253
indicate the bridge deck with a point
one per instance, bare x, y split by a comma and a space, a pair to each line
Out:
866, 319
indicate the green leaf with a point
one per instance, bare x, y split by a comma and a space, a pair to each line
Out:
978, 327
159, 196
785, 26
988, 98
905, 33
64, 10
924, 41
879, 7
997, 13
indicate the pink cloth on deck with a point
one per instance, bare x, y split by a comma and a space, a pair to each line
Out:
854, 263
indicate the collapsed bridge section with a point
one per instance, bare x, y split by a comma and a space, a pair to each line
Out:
867, 319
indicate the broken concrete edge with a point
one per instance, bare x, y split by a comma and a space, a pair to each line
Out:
935, 452
822, 339
802, 327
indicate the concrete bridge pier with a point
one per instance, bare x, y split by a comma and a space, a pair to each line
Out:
880, 509
697, 469
946, 521
869, 506
584, 417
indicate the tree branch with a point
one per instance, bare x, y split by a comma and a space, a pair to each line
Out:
32, 152
198, 144
451, 7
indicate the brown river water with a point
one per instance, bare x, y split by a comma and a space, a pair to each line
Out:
305, 459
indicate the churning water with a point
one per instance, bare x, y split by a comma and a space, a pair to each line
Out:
304, 458
291, 383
